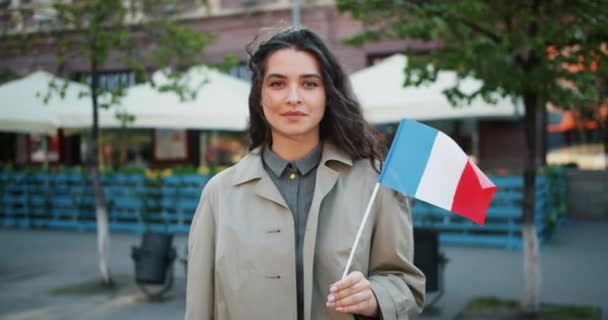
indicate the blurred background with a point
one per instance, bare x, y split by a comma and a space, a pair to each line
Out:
114, 115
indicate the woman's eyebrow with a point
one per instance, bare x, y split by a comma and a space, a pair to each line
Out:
277, 75
306, 75
311, 75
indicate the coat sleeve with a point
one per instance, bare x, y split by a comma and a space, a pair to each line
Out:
201, 260
398, 285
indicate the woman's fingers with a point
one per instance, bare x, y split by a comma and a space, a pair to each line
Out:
350, 280
351, 294
353, 300
360, 286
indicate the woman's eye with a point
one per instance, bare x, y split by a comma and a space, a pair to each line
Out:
275, 83
310, 84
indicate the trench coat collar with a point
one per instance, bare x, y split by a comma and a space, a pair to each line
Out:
303, 165
252, 168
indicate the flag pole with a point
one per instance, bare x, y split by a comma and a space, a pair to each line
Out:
369, 208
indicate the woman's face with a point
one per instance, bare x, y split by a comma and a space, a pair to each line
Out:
293, 95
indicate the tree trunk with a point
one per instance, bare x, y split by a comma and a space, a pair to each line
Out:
103, 239
604, 129
542, 135
532, 275
580, 126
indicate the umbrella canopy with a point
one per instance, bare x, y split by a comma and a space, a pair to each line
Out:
221, 103
22, 111
384, 99
75, 110
22, 108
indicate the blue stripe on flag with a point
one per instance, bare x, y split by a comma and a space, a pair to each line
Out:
408, 156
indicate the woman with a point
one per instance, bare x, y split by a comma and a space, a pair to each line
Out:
272, 234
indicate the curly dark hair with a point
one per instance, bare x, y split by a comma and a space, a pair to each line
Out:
342, 124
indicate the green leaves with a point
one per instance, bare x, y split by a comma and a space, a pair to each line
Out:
57, 87
142, 36
502, 43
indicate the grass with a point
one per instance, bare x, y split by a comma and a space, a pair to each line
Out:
491, 303
92, 287
500, 309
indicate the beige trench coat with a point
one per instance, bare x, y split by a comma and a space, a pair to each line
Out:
241, 262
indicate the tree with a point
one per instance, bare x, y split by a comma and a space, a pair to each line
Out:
601, 111
102, 31
7, 75
518, 49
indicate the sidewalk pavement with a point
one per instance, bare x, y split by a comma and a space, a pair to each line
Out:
33, 262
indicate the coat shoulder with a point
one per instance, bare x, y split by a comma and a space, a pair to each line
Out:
220, 180
364, 169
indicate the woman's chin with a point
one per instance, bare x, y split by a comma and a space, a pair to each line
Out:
298, 133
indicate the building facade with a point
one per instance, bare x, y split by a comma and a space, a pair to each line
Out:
235, 23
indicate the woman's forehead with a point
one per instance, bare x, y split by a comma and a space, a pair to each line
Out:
292, 62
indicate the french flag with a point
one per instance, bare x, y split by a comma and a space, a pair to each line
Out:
427, 164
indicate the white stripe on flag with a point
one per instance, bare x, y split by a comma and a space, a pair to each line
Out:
442, 172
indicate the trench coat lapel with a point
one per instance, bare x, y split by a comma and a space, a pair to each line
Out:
325, 181
265, 188
250, 168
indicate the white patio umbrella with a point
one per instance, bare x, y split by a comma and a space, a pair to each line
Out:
23, 109
383, 98
221, 103
75, 110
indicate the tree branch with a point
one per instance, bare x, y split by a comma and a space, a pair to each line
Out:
479, 29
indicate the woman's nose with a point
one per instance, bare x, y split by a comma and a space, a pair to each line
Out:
294, 96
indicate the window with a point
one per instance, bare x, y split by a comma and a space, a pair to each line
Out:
42, 149
110, 80
244, 4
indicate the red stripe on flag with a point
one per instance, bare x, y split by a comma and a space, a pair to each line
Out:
473, 194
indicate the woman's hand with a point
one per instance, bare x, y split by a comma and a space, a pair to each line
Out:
353, 294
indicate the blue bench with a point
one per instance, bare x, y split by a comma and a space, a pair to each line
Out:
39, 189
503, 222
15, 206
126, 214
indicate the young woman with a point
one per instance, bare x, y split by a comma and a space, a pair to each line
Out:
272, 234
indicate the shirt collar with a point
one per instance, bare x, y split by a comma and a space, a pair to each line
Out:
251, 166
273, 161
304, 165
310, 161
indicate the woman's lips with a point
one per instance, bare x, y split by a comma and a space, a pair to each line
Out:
292, 116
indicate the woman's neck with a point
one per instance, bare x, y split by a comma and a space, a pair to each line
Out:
291, 149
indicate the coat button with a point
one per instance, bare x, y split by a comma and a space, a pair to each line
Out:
292, 176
